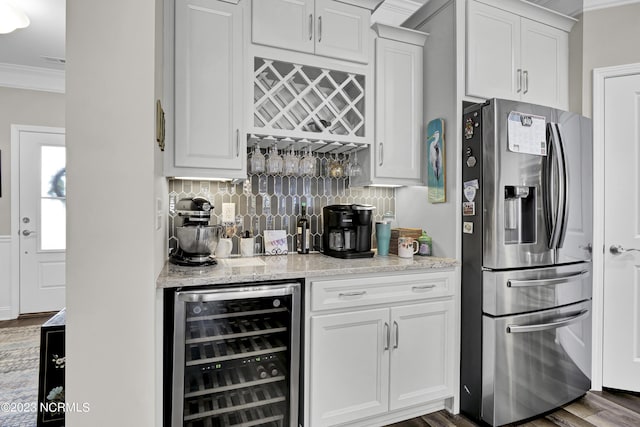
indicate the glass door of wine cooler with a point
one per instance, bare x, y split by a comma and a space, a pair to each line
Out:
236, 357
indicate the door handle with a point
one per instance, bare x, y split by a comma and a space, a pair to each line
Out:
525, 86
310, 26
319, 29
28, 233
387, 337
351, 294
380, 151
519, 79
618, 249
395, 325
545, 282
237, 142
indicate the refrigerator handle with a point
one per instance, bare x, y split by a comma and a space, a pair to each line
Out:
558, 323
554, 220
565, 183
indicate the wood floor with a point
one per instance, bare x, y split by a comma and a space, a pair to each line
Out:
27, 320
609, 408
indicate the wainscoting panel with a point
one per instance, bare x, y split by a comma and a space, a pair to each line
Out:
5, 277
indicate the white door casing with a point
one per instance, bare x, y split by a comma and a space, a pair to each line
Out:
38, 219
616, 346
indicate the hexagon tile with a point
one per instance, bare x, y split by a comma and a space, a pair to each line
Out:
266, 202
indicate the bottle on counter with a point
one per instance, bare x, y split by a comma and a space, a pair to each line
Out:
303, 233
425, 244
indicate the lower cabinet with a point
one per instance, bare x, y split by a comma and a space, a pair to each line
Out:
369, 362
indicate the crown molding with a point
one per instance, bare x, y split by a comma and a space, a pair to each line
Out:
32, 78
590, 5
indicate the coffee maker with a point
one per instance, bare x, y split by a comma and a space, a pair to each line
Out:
347, 231
197, 240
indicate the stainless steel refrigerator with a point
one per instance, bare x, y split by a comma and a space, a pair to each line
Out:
526, 252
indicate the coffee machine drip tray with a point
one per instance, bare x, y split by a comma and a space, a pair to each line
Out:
349, 255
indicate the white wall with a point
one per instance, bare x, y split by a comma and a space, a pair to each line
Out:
112, 256
412, 208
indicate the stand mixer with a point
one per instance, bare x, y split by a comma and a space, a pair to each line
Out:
197, 240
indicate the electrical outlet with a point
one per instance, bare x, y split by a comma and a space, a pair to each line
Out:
228, 212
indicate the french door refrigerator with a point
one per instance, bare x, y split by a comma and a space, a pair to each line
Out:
235, 355
526, 260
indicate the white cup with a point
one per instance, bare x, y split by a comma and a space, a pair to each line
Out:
247, 245
224, 248
407, 247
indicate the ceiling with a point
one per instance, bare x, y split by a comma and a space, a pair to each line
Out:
41, 45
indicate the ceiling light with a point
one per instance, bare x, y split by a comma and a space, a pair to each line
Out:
11, 18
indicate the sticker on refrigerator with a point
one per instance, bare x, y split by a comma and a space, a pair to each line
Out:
468, 208
468, 128
473, 183
470, 193
467, 227
527, 133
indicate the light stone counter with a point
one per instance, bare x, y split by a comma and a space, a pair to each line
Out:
294, 266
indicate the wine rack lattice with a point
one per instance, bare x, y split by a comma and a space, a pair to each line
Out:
309, 99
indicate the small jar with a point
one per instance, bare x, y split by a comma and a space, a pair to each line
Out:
425, 246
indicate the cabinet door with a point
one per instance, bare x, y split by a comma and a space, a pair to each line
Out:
421, 353
208, 85
288, 24
493, 52
545, 52
349, 373
398, 111
342, 31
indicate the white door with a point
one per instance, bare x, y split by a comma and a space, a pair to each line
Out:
288, 24
545, 65
42, 221
350, 366
342, 31
621, 338
493, 52
421, 353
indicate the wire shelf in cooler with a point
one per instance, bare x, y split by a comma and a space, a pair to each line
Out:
219, 351
202, 382
236, 328
232, 402
265, 417
236, 314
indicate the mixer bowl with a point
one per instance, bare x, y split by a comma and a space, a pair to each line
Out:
199, 239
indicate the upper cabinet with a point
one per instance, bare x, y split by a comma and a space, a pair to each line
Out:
332, 28
208, 136
513, 57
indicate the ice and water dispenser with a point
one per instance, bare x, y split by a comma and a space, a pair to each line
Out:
519, 214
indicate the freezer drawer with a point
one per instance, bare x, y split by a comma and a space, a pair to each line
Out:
536, 362
522, 291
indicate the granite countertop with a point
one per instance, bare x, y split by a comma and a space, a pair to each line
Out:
293, 266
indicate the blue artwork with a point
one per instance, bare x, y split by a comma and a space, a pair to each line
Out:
435, 161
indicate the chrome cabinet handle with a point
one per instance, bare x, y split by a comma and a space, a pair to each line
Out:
28, 233
237, 142
422, 287
519, 78
513, 329
526, 82
310, 26
380, 151
618, 249
351, 294
388, 338
319, 29
395, 325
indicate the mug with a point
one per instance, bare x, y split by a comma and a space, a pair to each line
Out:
247, 245
224, 248
407, 247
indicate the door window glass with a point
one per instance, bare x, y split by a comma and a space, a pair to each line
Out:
53, 203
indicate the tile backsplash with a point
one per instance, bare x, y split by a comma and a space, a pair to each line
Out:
265, 202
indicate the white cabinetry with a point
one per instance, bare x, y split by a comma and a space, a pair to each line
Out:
513, 57
337, 29
379, 347
396, 157
207, 71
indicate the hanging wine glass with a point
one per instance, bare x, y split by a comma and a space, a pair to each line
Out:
308, 164
274, 162
291, 163
336, 170
346, 164
355, 169
257, 160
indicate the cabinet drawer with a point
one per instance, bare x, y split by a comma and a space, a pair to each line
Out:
363, 291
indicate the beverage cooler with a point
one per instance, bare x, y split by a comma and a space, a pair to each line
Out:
235, 356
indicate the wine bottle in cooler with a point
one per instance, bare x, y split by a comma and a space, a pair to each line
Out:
303, 231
